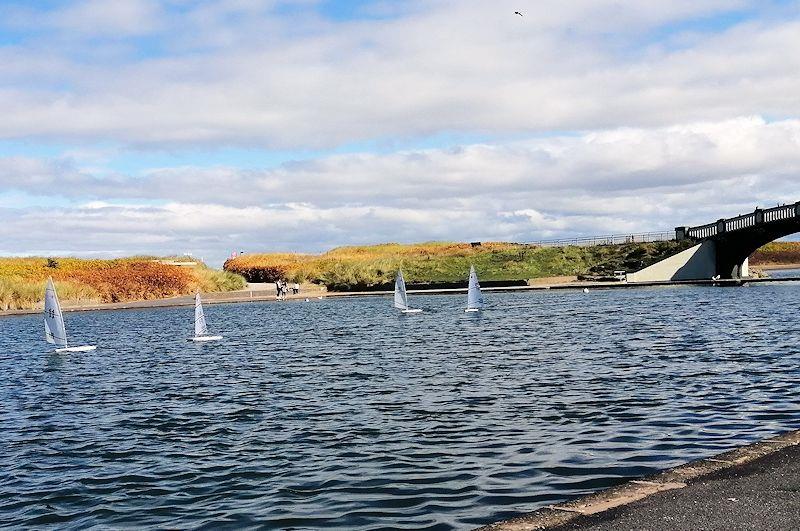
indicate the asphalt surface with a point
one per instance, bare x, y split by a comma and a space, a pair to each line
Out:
763, 494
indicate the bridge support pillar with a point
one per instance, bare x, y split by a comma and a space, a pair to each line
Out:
701, 262
698, 262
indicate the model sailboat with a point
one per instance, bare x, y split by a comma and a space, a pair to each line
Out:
474, 296
200, 327
400, 296
54, 330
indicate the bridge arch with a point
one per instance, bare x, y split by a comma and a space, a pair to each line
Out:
735, 239
723, 247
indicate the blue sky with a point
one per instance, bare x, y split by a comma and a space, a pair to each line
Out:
162, 126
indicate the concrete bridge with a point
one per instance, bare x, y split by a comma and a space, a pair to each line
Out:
723, 247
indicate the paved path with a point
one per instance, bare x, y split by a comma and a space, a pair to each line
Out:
763, 494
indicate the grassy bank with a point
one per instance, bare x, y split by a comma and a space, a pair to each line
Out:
777, 254
78, 281
355, 268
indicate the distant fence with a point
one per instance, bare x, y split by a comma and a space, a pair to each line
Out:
612, 239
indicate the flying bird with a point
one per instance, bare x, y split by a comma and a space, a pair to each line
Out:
517, 13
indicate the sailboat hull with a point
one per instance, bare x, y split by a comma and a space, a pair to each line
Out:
202, 339
472, 310
85, 348
412, 310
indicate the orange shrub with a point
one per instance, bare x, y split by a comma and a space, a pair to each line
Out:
135, 280
124, 279
268, 267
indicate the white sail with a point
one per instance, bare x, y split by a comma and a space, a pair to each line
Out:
200, 327
54, 329
400, 297
474, 296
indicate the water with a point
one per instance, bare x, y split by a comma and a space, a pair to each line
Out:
783, 273
342, 414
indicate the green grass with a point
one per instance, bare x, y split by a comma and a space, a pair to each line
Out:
350, 268
211, 280
21, 294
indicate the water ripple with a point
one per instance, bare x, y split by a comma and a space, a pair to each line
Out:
341, 414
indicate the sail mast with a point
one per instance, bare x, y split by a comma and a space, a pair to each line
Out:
200, 327
400, 297
54, 330
474, 296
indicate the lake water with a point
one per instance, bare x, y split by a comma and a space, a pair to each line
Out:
783, 273
342, 414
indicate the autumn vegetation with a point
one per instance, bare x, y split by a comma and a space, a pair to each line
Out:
80, 281
777, 254
22, 280
367, 267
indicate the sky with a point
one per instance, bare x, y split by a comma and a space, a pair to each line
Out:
214, 126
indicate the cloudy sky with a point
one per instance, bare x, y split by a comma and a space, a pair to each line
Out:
207, 126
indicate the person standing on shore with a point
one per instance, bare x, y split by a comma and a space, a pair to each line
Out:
296, 288
280, 287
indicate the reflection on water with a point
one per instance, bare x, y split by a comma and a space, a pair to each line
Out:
783, 273
340, 413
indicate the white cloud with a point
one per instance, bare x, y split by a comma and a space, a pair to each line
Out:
471, 66
101, 17
612, 161
615, 181
661, 131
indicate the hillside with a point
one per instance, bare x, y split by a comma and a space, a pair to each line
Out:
22, 280
356, 268
777, 254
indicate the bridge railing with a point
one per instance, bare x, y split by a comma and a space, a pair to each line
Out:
740, 222
701, 232
781, 212
744, 221
611, 239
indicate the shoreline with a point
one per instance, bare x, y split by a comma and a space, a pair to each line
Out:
234, 297
607, 504
775, 267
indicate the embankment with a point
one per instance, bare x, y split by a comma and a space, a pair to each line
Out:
437, 264
82, 282
777, 255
